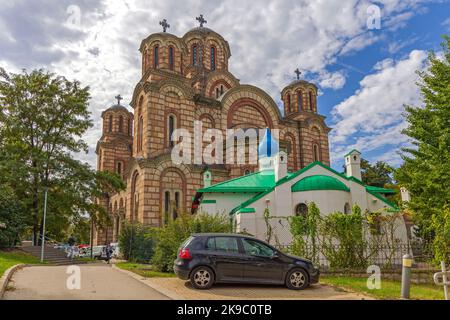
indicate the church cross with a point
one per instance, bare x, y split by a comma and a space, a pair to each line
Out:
164, 24
201, 20
119, 97
298, 73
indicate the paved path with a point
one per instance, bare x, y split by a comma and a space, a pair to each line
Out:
179, 289
98, 281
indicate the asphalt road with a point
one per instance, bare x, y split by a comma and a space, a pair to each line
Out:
97, 282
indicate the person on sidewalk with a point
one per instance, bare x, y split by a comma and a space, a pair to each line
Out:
109, 252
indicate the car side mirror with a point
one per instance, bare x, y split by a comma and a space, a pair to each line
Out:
274, 256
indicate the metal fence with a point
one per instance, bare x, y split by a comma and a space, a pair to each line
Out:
331, 257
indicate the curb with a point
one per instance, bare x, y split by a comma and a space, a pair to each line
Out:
141, 279
7, 276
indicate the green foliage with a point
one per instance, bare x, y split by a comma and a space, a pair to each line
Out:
304, 230
11, 220
347, 231
378, 174
172, 235
137, 242
426, 167
440, 222
347, 241
42, 119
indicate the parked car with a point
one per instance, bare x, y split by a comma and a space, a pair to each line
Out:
205, 259
97, 252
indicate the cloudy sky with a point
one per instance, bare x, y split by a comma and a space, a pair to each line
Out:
364, 67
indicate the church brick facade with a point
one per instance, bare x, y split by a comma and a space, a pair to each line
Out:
183, 80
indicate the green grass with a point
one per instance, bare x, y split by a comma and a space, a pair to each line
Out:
11, 258
144, 270
389, 289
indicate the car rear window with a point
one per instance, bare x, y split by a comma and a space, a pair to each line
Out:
223, 244
187, 242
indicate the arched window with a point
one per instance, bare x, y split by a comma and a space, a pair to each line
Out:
176, 205
110, 123
130, 127
140, 133
156, 57
213, 58
194, 54
289, 103
121, 124
171, 128
347, 208
217, 93
247, 171
119, 168
301, 210
221, 89
311, 101
171, 58
166, 202
316, 153
299, 101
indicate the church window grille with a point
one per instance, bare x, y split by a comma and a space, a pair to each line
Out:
121, 124
347, 208
171, 129
177, 205
311, 101
316, 154
171, 58
156, 57
299, 101
289, 103
213, 58
194, 54
301, 210
140, 133
166, 202
110, 124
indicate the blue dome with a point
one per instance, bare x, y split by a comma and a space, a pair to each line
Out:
268, 146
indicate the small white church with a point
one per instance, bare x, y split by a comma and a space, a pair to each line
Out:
285, 194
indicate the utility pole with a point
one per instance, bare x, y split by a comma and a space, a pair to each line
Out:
43, 225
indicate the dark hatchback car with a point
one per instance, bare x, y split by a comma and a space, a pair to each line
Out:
205, 259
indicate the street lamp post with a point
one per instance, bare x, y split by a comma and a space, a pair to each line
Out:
43, 225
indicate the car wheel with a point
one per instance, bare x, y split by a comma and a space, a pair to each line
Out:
202, 278
297, 279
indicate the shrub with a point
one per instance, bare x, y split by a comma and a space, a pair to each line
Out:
12, 223
172, 235
137, 242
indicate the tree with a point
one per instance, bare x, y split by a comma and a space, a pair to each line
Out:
43, 117
11, 220
377, 175
426, 167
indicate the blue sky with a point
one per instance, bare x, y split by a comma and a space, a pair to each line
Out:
365, 76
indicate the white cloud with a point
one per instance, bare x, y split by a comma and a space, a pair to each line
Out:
268, 40
374, 112
335, 80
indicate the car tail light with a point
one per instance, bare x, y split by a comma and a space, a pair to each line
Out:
184, 254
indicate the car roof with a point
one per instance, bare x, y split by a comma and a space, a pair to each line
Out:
237, 235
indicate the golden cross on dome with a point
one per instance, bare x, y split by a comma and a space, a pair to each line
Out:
164, 24
201, 20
